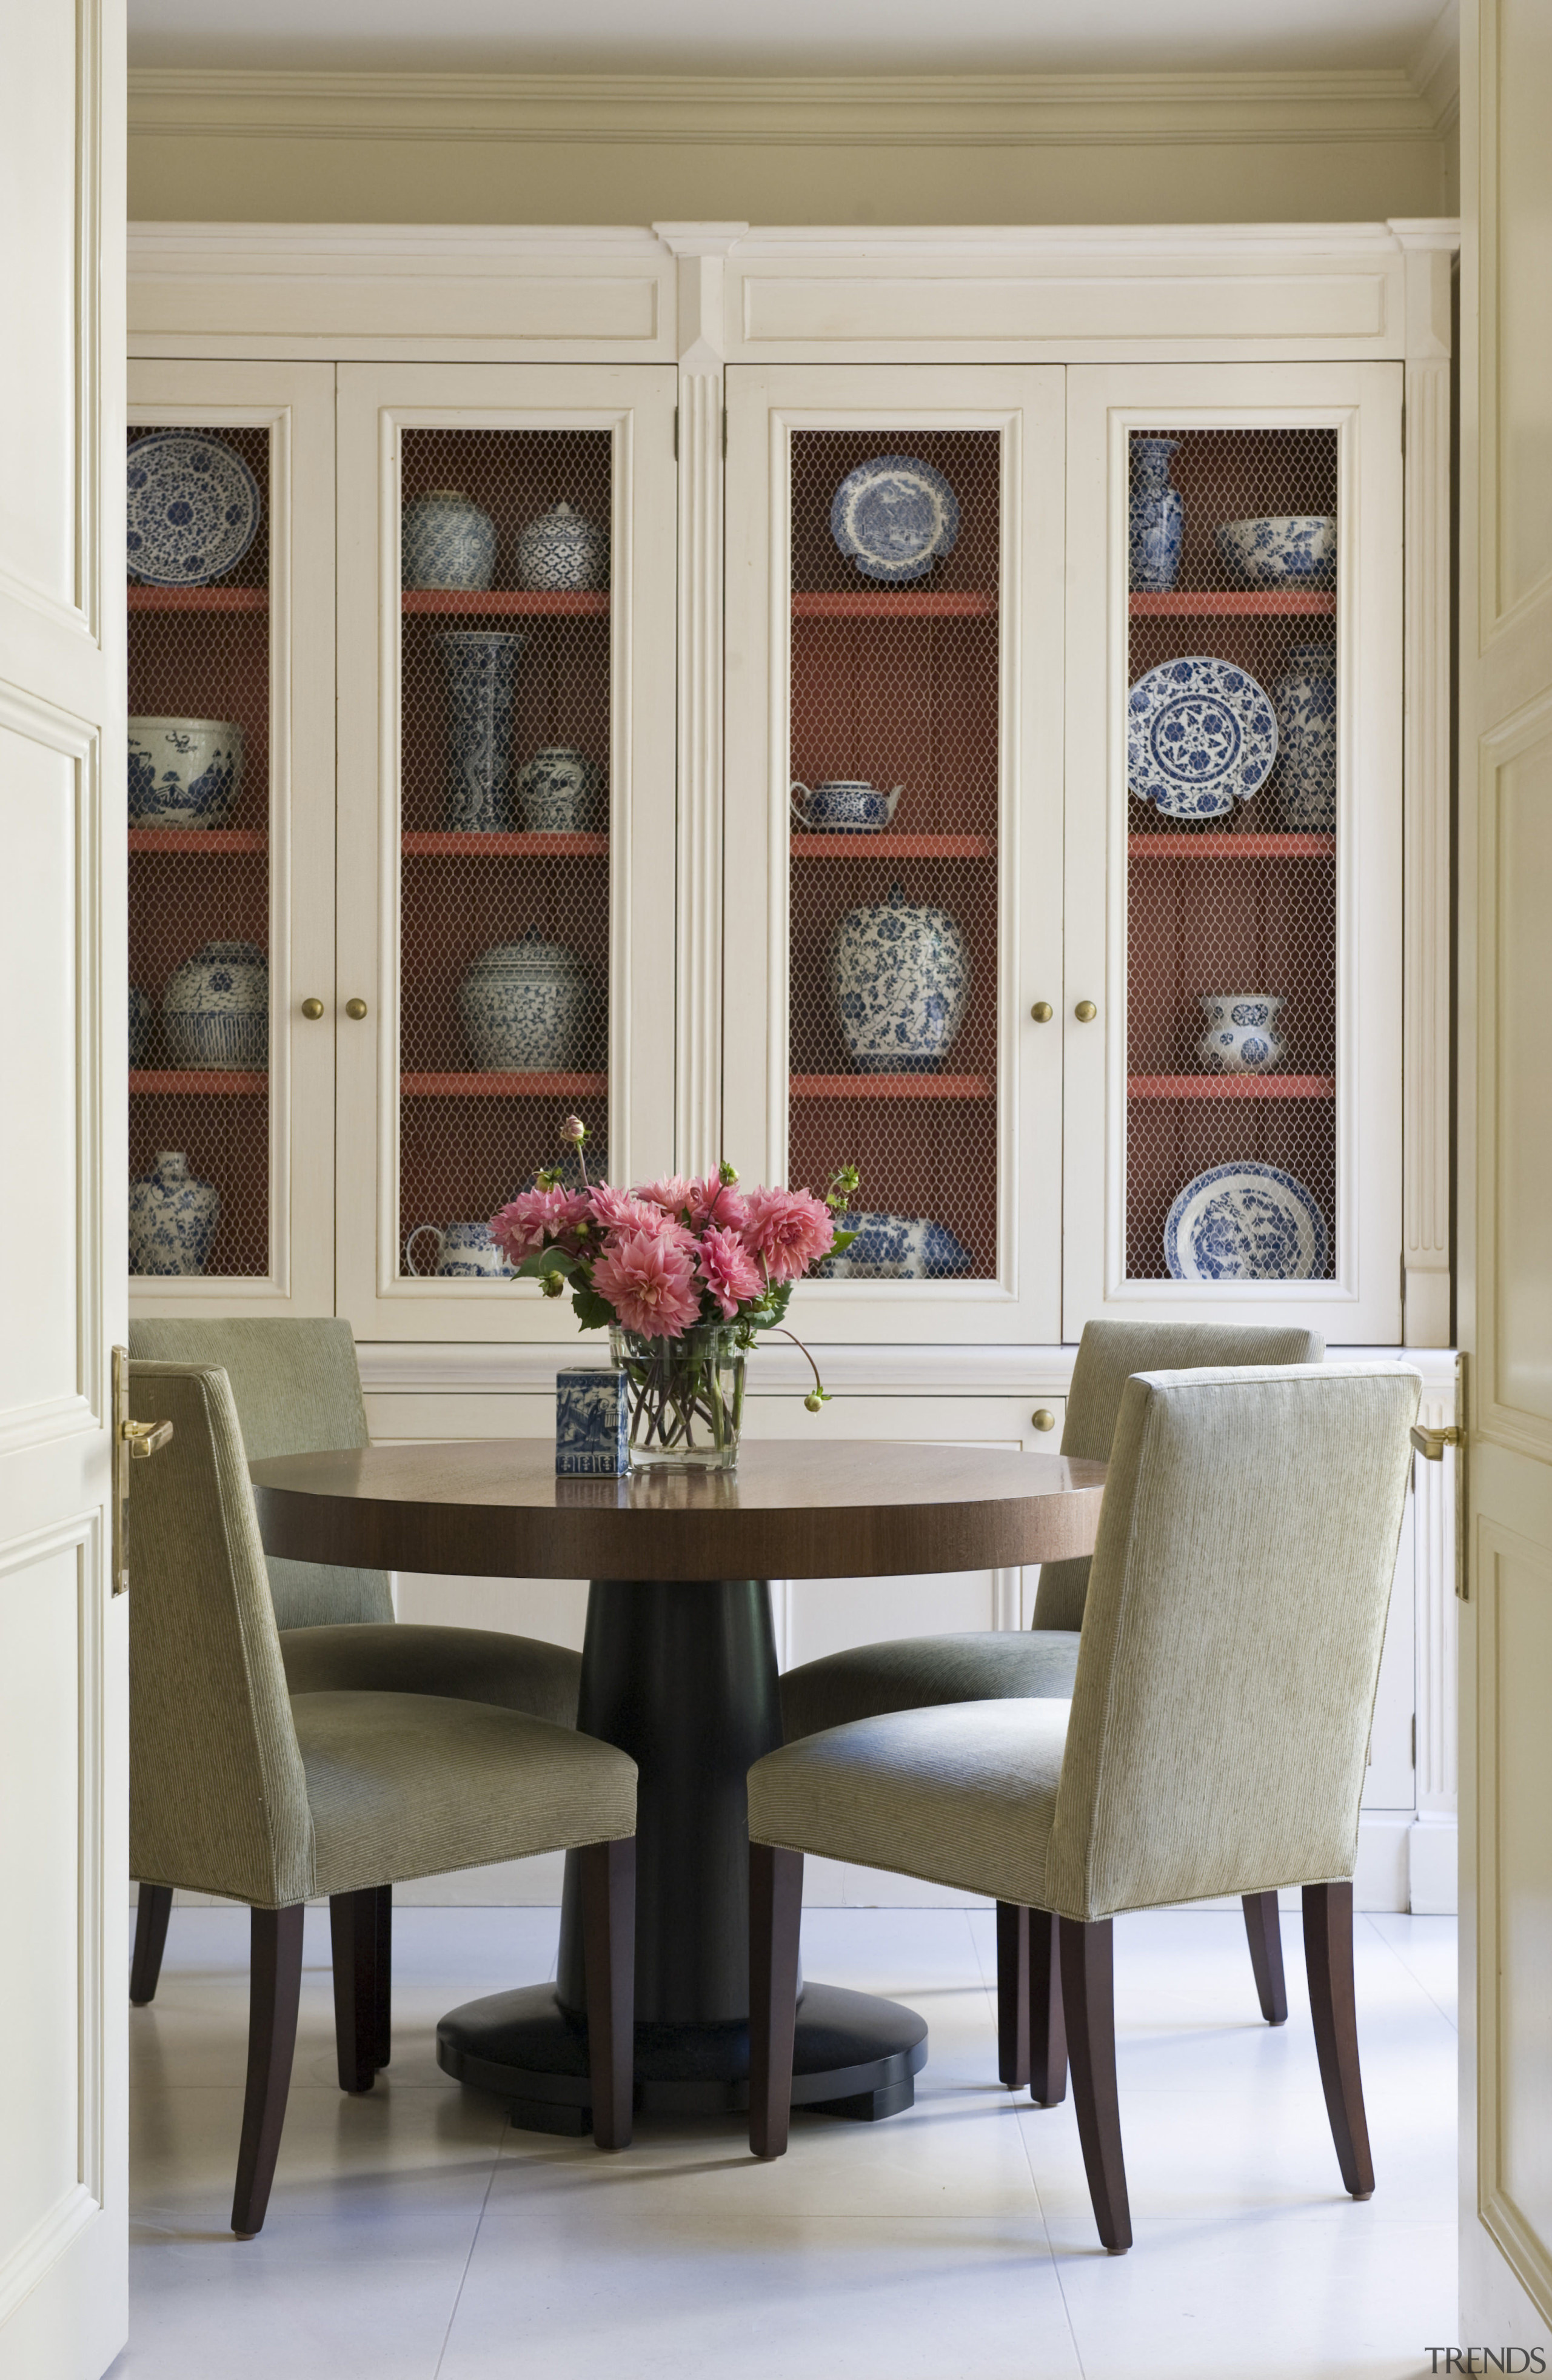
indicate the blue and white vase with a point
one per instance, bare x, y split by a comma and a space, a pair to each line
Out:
900, 979
215, 1011
143, 1016
557, 792
592, 1425
530, 1007
1157, 515
173, 1216
561, 552
481, 666
1242, 1035
1305, 703
184, 771
446, 541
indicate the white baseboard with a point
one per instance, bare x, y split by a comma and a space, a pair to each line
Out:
1432, 1858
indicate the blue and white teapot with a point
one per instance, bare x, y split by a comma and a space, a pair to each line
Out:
843, 805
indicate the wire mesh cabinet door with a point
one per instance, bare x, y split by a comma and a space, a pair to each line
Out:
895, 590
1234, 866
231, 808
507, 576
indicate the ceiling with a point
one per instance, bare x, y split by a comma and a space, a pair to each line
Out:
797, 37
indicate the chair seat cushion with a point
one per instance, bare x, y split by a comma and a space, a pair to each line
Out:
913, 1673
406, 1785
475, 1665
963, 1794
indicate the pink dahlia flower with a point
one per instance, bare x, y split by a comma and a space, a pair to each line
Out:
789, 1230
729, 1270
650, 1280
714, 1201
672, 1194
620, 1210
535, 1216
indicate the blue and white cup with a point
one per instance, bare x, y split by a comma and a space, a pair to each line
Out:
1242, 1035
843, 805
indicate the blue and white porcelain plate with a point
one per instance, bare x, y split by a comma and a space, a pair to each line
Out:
894, 514
1200, 737
1245, 1222
194, 509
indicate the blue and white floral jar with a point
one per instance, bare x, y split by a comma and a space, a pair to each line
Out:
184, 771
1242, 1035
446, 541
557, 792
560, 553
215, 1010
1305, 703
530, 1007
900, 979
481, 666
1157, 525
173, 1216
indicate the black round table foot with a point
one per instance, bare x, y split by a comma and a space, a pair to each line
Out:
853, 2056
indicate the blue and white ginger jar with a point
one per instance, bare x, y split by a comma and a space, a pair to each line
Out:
897, 1248
557, 792
215, 1010
561, 552
481, 666
530, 1007
446, 541
900, 979
1157, 525
143, 1016
1242, 1035
184, 771
1305, 703
173, 1216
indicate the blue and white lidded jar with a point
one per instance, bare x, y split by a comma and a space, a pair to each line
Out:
184, 771
557, 792
481, 666
592, 1422
530, 1007
446, 541
173, 1216
1157, 525
900, 979
1305, 703
560, 553
1242, 1035
143, 1016
215, 1011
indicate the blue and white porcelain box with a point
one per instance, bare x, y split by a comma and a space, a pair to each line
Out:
592, 1416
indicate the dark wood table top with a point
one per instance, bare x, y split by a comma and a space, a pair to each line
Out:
833, 1509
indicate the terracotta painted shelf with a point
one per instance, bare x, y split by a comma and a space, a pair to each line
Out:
201, 1082
209, 839
523, 601
966, 604
892, 1086
1230, 846
1232, 603
503, 1086
506, 846
1232, 1086
893, 846
199, 599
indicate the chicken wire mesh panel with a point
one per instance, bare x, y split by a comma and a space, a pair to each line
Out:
894, 751
198, 795
1232, 871
504, 903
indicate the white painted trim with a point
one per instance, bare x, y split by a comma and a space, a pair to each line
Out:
1427, 855
1435, 72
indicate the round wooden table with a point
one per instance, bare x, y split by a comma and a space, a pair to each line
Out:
679, 1669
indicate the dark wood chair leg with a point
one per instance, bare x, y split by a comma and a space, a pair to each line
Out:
1048, 2027
609, 1972
1264, 1931
1328, 1958
352, 1939
1013, 1993
775, 1919
382, 2030
274, 1985
1089, 1999
153, 1910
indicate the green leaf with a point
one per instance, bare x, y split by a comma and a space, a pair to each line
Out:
543, 1260
773, 1307
842, 1242
593, 1312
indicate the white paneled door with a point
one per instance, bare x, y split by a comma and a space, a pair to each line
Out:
63, 2006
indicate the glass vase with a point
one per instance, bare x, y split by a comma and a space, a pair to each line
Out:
686, 1398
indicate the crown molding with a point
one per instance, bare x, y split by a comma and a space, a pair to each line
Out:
1435, 70
953, 111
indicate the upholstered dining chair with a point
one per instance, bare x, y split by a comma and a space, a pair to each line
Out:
298, 1391
1215, 1741
241, 1788
912, 1672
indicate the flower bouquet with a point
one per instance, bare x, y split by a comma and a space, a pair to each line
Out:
683, 1274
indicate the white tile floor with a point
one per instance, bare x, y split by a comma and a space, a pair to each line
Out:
413, 2236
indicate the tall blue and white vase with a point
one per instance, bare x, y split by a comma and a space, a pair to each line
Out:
1305, 703
481, 666
900, 980
1157, 516
173, 1216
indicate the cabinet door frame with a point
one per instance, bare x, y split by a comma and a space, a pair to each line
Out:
1026, 405
296, 403
635, 403
1363, 402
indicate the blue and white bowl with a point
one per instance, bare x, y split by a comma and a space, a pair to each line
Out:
900, 980
559, 792
560, 553
184, 771
215, 1010
446, 541
843, 805
530, 1007
1242, 1035
897, 1248
1283, 546
173, 1216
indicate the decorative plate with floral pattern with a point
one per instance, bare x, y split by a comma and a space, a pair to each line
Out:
1200, 737
894, 514
194, 509
1245, 1222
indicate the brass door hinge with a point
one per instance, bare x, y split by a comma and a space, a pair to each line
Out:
133, 1441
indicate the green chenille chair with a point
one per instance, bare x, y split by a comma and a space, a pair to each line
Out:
298, 1391
240, 1787
1215, 1741
919, 1673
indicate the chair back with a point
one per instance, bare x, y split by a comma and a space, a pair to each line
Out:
298, 1391
217, 1792
1109, 1353
1230, 1649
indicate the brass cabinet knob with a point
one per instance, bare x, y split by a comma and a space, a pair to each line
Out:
1042, 1012
1043, 1417
356, 1008
313, 1008
1085, 1011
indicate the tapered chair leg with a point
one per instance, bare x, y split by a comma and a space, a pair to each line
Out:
153, 1910
273, 1990
609, 1974
775, 1918
383, 2028
1264, 1931
1047, 2026
353, 1921
1013, 1994
1328, 1958
1089, 1999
